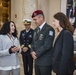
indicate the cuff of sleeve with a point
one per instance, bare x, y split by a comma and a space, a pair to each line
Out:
10, 51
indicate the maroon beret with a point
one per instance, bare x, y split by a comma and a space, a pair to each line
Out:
37, 12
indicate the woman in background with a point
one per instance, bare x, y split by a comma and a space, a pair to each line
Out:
9, 49
63, 63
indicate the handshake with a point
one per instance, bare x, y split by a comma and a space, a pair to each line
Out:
13, 49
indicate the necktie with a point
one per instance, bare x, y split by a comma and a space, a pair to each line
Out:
36, 33
38, 30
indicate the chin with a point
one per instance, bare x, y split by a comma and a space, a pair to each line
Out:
12, 31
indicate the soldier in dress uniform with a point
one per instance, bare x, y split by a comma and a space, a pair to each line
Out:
26, 37
41, 49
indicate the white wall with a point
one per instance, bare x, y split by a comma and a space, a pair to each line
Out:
16, 13
55, 6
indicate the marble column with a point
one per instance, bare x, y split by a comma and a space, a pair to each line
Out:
63, 6
28, 7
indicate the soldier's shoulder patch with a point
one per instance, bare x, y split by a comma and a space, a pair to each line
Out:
51, 33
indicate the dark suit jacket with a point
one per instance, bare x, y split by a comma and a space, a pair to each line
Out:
42, 45
26, 39
63, 53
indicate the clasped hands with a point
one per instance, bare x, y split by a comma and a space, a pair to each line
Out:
24, 49
13, 49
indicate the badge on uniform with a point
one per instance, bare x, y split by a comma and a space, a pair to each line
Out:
51, 33
30, 36
23, 34
40, 36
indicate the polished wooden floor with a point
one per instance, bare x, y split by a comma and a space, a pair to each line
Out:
22, 72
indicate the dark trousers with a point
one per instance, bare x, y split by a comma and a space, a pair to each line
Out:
66, 74
43, 70
27, 64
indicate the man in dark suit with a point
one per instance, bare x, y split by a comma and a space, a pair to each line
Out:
41, 49
26, 37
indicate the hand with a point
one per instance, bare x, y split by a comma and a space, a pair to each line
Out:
33, 55
24, 49
15, 49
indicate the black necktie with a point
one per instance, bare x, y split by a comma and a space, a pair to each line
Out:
38, 30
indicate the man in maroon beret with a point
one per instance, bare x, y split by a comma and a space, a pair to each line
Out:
37, 12
41, 48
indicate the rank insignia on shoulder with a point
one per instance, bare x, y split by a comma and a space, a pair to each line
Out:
22, 45
29, 46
